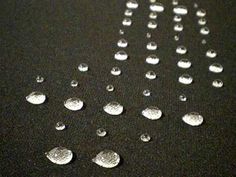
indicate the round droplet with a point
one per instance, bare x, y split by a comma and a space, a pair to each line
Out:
193, 119
36, 98
132, 4
121, 32
183, 98
116, 71
121, 55
101, 132
217, 83
83, 67
176, 37
202, 21
60, 155
107, 159
152, 59
152, 1
145, 137
201, 13
203, 41
152, 113
152, 24
156, 7
128, 12
204, 30
180, 10
177, 18
211, 53
127, 22
195, 5
148, 35
175, 2
113, 108
184, 63
74, 104
153, 15
151, 46
122, 43
39, 79
110, 88
150, 75
60, 126
181, 50
216, 68
185, 79
178, 27
74, 83
147, 92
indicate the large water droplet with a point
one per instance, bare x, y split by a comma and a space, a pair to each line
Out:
217, 83
83, 67
121, 55
177, 18
183, 98
113, 108
202, 21
39, 79
122, 43
128, 12
150, 75
178, 27
211, 53
216, 68
185, 79
116, 71
146, 92
110, 88
152, 59
127, 22
73, 104
156, 7
101, 132
180, 10
152, 24
107, 159
132, 4
193, 119
181, 50
74, 83
152, 113
201, 13
60, 126
36, 98
205, 30
153, 15
184, 63
145, 137
151, 46
60, 155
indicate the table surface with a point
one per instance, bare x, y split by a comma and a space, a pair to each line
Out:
51, 38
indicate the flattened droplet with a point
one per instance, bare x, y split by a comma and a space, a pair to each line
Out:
184, 63
122, 43
217, 83
110, 88
151, 46
183, 98
145, 137
181, 50
36, 98
128, 12
157, 7
216, 68
177, 18
185, 79
113, 108
146, 92
39, 79
178, 27
150, 75
205, 30
153, 15
132, 4
127, 22
101, 132
60, 155
107, 159
60, 126
211, 53
73, 104
152, 113
121, 55
175, 2
74, 83
116, 71
193, 119
152, 59
202, 21
180, 10
83, 67
201, 13
152, 24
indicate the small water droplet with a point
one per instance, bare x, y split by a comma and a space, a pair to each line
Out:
60, 155
101, 132
147, 92
203, 41
122, 43
150, 75
73, 104
132, 4
148, 35
128, 12
193, 119
176, 37
153, 15
39, 79
127, 22
175, 2
152, 113
211, 53
121, 55
185, 79
116, 71
107, 159
113, 108
183, 98
217, 83
216, 68
145, 137
74, 83
205, 30
201, 13
156, 7
195, 5
83, 67
202, 21
60, 126
181, 50
152, 1
152, 59
121, 32
110, 88
177, 18
36, 98
178, 27
184, 63
152, 24
151, 46
180, 10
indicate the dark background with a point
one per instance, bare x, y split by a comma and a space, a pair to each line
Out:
50, 38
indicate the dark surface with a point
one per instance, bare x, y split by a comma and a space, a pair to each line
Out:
51, 38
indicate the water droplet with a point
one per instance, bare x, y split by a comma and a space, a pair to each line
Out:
185, 79
193, 119
73, 104
152, 59
211, 53
36, 98
153, 15
116, 71
121, 32
113, 108
152, 1
122, 43
107, 159
147, 92
181, 50
60, 155
182, 97
132, 4
203, 41
175, 2
180, 10
176, 37
201, 13
204, 30
178, 27
151, 46
39, 79
216, 68
195, 5
128, 12
184, 63
121, 55
177, 18
127, 22
101, 132
148, 35
217, 83
145, 137
83, 67
150, 75
74, 83
60, 126
156, 7
110, 88
152, 113
202, 21
152, 24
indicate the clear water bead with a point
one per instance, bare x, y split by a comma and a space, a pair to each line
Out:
127, 22
177, 18
178, 27
216, 68
121, 55
116, 71
83, 67
128, 12
110, 88
152, 24
157, 7
153, 15
113, 108
74, 83
60, 126
183, 98
147, 92
217, 83
145, 137
74, 104
211, 53
180, 10
201, 13
184, 63
60, 155
39, 79
205, 30
152, 59
202, 21
122, 43
150, 75
107, 159
151, 46
185, 79
101, 132
36, 98
181, 50
132, 4
193, 119
152, 113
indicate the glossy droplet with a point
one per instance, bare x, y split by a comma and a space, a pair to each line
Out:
121, 32
113, 108
36, 98
60, 126
116, 71
176, 37
152, 59
39, 79
132, 4
182, 97
156, 7
177, 18
107, 159
152, 113
101, 132
73, 104
180, 10
127, 22
216, 68
202, 21
128, 12
150, 75
185, 79
153, 15
152, 24
147, 92
178, 27
193, 119
175, 2
204, 31
83, 67
184, 63
121, 55
217, 83
74, 83
60, 155
122, 43
151, 46
203, 41
145, 137
201, 13
110, 88
211, 53
148, 35
181, 50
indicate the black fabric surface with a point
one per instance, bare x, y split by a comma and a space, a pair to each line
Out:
50, 38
